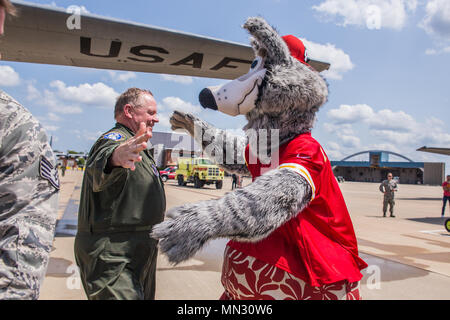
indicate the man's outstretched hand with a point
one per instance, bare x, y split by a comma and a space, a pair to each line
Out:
127, 153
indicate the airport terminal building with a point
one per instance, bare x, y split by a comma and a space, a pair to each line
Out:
379, 165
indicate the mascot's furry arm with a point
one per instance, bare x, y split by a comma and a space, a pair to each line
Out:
248, 214
227, 150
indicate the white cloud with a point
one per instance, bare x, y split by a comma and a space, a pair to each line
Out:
164, 121
177, 79
86, 134
437, 19
63, 99
339, 60
349, 141
385, 119
122, 76
437, 51
345, 136
436, 24
345, 128
50, 100
383, 146
350, 114
50, 128
33, 93
397, 138
332, 145
54, 104
372, 14
8, 77
97, 94
389, 130
175, 103
53, 117
389, 120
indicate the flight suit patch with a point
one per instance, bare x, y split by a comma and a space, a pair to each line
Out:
115, 136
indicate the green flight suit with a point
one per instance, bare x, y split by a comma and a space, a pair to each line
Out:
118, 208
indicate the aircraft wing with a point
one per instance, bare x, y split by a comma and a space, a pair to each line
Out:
43, 34
445, 151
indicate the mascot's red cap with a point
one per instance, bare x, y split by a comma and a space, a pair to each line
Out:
297, 48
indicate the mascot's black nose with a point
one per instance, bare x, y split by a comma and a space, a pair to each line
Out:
207, 99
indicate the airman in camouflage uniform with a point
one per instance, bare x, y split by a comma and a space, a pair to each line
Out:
389, 187
28, 201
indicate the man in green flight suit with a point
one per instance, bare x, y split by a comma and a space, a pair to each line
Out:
122, 197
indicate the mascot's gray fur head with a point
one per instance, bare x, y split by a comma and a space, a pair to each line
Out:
279, 92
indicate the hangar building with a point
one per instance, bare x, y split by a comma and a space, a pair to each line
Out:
378, 166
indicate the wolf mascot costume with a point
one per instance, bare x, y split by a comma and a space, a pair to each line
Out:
291, 234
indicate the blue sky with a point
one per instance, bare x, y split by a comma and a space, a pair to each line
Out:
389, 81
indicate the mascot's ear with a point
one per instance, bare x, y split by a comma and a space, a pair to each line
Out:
266, 42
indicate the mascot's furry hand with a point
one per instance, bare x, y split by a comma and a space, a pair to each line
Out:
190, 228
186, 121
226, 149
248, 214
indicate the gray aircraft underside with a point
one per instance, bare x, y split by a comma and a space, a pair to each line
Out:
40, 34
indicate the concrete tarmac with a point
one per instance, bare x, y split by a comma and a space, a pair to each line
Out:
408, 256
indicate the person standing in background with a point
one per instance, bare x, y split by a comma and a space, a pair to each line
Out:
388, 188
446, 187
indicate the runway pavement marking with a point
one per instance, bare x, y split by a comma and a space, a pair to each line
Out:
439, 232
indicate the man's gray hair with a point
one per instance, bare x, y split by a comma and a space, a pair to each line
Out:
131, 96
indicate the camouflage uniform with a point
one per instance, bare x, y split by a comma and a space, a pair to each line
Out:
28, 201
388, 188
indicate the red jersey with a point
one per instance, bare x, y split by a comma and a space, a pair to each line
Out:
319, 244
446, 187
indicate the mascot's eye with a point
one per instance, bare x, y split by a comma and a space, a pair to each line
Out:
254, 64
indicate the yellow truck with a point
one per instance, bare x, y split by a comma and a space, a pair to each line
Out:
199, 171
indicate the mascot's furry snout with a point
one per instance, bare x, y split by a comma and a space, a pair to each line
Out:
238, 96
207, 99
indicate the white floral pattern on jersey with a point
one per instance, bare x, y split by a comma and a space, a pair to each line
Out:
247, 278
